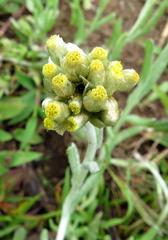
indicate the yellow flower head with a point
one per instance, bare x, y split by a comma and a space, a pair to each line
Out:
136, 77
49, 123
53, 110
51, 42
71, 124
60, 80
116, 68
99, 53
99, 93
74, 58
49, 70
131, 78
55, 41
74, 107
96, 66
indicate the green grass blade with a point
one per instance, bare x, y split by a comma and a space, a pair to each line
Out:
146, 68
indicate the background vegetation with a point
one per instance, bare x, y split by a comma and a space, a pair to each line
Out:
130, 201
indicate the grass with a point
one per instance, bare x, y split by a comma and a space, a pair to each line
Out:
129, 200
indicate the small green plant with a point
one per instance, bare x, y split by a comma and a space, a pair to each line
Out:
80, 90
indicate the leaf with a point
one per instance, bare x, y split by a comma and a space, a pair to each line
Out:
7, 230
163, 98
116, 33
66, 186
44, 235
20, 234
106, 19
26, 205
5, 136
127, 193
144, 15
78, 19
10, 107
23, 157
153, 96
149, 235
28, 99
29, 131
18, 134
158, 125
149, 48
25, 80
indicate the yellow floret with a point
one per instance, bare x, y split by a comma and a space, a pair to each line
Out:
53, 110
96, 66
51, 42
71, 124
49, 123
60, 80
74, 107
136, 77
99, 93
99, 53
117, 68
74, 58
49, 70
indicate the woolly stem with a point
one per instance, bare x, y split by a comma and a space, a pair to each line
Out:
80, 184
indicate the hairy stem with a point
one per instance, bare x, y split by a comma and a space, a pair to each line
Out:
80, 184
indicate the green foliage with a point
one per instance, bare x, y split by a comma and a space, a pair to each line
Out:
35, 26
44, 235
85, 28
20, 233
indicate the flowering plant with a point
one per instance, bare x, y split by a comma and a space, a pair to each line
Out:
80, 86
80, 90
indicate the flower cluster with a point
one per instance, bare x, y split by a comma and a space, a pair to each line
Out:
80, 86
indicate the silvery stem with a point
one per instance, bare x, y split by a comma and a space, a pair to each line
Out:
80, 184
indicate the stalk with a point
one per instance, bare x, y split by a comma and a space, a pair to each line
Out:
80, 185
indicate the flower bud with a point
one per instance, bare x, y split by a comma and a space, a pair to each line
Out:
115, 77
46, 101
75, 105
50, 124
57, 111
62, 86
49, 71
99, 53
75, 64
131, 79
110, 115
56, 48
95, 99
97, 73
73, 123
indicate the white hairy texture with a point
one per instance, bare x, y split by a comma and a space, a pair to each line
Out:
72, 47
129, 71
49, 60
59, 42
46, 101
